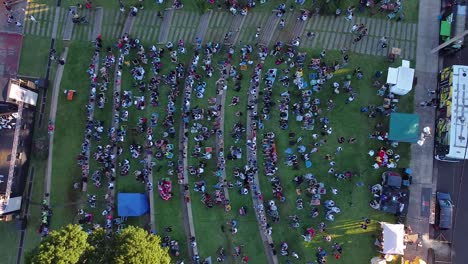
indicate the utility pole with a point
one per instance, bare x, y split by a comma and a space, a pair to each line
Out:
450, 41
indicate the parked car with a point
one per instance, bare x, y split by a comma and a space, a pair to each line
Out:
444, 215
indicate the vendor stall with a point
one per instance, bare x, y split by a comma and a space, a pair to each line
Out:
404, 127
132, 204
400, 79
393, 238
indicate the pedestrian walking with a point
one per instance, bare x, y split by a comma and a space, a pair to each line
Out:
383, 43
10, 19
310, 34
33, 19
18, 24
257, 34
322, 54
281, 23
361, 27
337, 12
345, 59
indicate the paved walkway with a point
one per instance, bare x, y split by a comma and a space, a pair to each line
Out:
90, 118
255, 187
150, 192
69, 25
148, 26
18, 14
92, 103
112, 21
202, 27
422, 156
45, 15
334, 33
266, 33
221, 101
53, 111
331, 33
115, 109
183, 164
234, 29
165, 27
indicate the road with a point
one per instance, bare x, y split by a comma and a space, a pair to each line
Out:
453, 178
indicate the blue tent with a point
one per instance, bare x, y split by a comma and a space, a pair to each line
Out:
132, 204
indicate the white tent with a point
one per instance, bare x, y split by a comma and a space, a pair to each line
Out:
401, 79
393, 237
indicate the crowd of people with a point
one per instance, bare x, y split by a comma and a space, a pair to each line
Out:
201, 124
8, 121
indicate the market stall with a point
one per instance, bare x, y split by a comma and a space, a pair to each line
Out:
404, 127
393, 238
400, 79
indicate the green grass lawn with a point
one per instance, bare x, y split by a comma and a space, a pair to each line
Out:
69, 132
410, 8
34, 55
9, 245
347, 121
210, 222
167, 213
253, 244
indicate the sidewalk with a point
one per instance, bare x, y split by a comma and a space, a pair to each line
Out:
53, 112
422, 156
17, 11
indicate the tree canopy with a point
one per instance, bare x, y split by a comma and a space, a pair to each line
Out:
62, 247
71, 244
135, 245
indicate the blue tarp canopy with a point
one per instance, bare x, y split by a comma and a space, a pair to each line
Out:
132, 204
404, 127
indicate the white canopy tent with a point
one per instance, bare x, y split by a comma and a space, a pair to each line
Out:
393, 238
401, 79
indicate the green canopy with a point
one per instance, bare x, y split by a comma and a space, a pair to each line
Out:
445, 28
404, 127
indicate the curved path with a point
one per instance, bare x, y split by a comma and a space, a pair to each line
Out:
252, 162
53, 111
221, 101
115, 117
183, 162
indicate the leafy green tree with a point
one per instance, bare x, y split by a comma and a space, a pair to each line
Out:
71, 245
64, 246
101, 250
135, 246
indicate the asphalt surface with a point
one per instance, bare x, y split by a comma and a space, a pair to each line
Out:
453, 178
